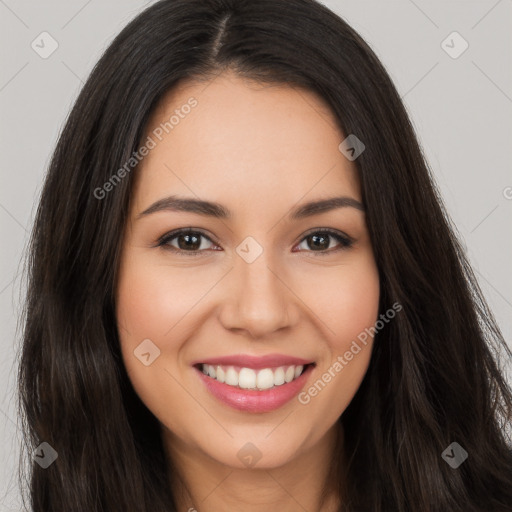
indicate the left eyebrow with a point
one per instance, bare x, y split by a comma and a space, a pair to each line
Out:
213, 209
324, 205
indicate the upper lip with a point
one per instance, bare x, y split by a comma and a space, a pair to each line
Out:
256, 362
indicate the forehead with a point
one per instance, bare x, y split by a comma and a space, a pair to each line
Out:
241, 143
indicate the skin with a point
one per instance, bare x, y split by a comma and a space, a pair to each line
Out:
260, 151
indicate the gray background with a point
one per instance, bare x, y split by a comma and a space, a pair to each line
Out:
461, 108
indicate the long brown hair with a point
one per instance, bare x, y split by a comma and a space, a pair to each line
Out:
433, 378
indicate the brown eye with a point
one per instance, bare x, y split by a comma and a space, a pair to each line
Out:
320, 241
187, 242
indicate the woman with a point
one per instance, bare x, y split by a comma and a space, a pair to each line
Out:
244, 291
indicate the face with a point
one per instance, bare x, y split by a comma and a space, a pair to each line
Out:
256, 287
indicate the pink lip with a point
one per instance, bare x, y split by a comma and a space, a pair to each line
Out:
255, 362
251, 400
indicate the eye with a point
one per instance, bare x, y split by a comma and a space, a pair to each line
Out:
319, 239
189, 241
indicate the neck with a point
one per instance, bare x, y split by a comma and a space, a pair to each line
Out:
307, 482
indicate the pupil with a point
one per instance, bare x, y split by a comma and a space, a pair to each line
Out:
196, 243
315, 239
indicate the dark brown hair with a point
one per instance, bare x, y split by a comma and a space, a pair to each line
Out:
433, 377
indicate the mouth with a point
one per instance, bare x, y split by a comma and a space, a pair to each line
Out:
254, 388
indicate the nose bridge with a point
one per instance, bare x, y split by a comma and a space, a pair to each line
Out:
262, 302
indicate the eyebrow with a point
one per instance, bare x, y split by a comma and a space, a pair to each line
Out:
213, 209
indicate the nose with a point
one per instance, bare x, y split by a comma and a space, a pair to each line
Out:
258, 299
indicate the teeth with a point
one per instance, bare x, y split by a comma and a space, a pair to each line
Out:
221, 374
265, 379
247, 378
279, 377
231, 377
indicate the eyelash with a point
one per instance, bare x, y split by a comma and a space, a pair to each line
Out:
345, 241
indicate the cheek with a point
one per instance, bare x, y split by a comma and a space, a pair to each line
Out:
344, 300
152, 300
347, 307
158, 302
149, 308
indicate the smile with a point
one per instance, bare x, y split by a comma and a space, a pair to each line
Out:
254, 384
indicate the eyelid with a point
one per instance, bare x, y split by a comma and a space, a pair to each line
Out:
330, 231
179, 231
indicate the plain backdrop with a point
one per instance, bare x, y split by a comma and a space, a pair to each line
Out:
460, 103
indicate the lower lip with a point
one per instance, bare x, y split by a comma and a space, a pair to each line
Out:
251, 400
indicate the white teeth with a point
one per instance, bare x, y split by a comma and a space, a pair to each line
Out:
290, 374
279, 376
265, 379
247, 378
221, 375
231, 377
